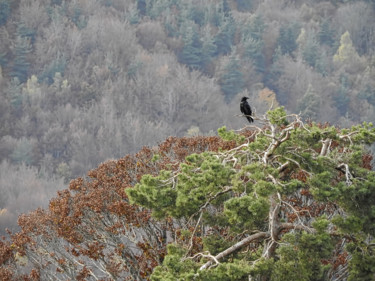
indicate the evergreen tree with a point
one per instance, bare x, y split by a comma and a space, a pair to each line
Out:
244, 5
256, 28
231, 81
26, 32
226, 8
191, 54
275, 70
24, 151
3, 59
78, 16
224, 37
253, 50
56, 66
216, 15
368, 93
252, 39
197, 15
157, 8
208, 47
133, 15
21, 62
341, 97
309, 104
277, 207
310, 51
4, 11
56, 2
287, 38
322, 64
15, 94
326, 35
142, 7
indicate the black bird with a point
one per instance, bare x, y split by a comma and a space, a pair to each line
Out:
246, 109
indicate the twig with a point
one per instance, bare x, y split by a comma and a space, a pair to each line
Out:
205, 255
348, 136
192, 235
287, 225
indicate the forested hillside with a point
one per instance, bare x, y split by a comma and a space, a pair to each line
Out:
287, 200
84, 81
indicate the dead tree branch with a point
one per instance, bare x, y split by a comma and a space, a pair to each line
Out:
235, 247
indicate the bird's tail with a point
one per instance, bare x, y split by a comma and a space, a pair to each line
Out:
250, 119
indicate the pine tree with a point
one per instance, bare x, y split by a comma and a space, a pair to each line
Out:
322, 64
142, 7
191, 54
275, 70
4, 11
279, 206
287, 200
224, 37
56, 2
56, 66
368, 93
78, 16
309, 104
287, 38
197, 14
226, 8
244, 5
24, 151
14, 92
326, 35
26, 32
3, 59
257, 27
310, 51
208, 47
341, 97
21, 62
133, 16
252, 38
253, 50
231, 81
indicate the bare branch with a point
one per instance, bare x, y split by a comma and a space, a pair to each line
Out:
325, 147
284, 136
205, 255
273, 216
348, 175
287, 225
283, 166
348, 136
236, 246
204, 206
295, 211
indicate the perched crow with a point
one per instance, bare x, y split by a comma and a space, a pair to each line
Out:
246, 109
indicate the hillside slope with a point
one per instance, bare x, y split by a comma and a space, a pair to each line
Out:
256, 205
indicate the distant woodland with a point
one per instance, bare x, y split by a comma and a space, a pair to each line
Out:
84, 81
